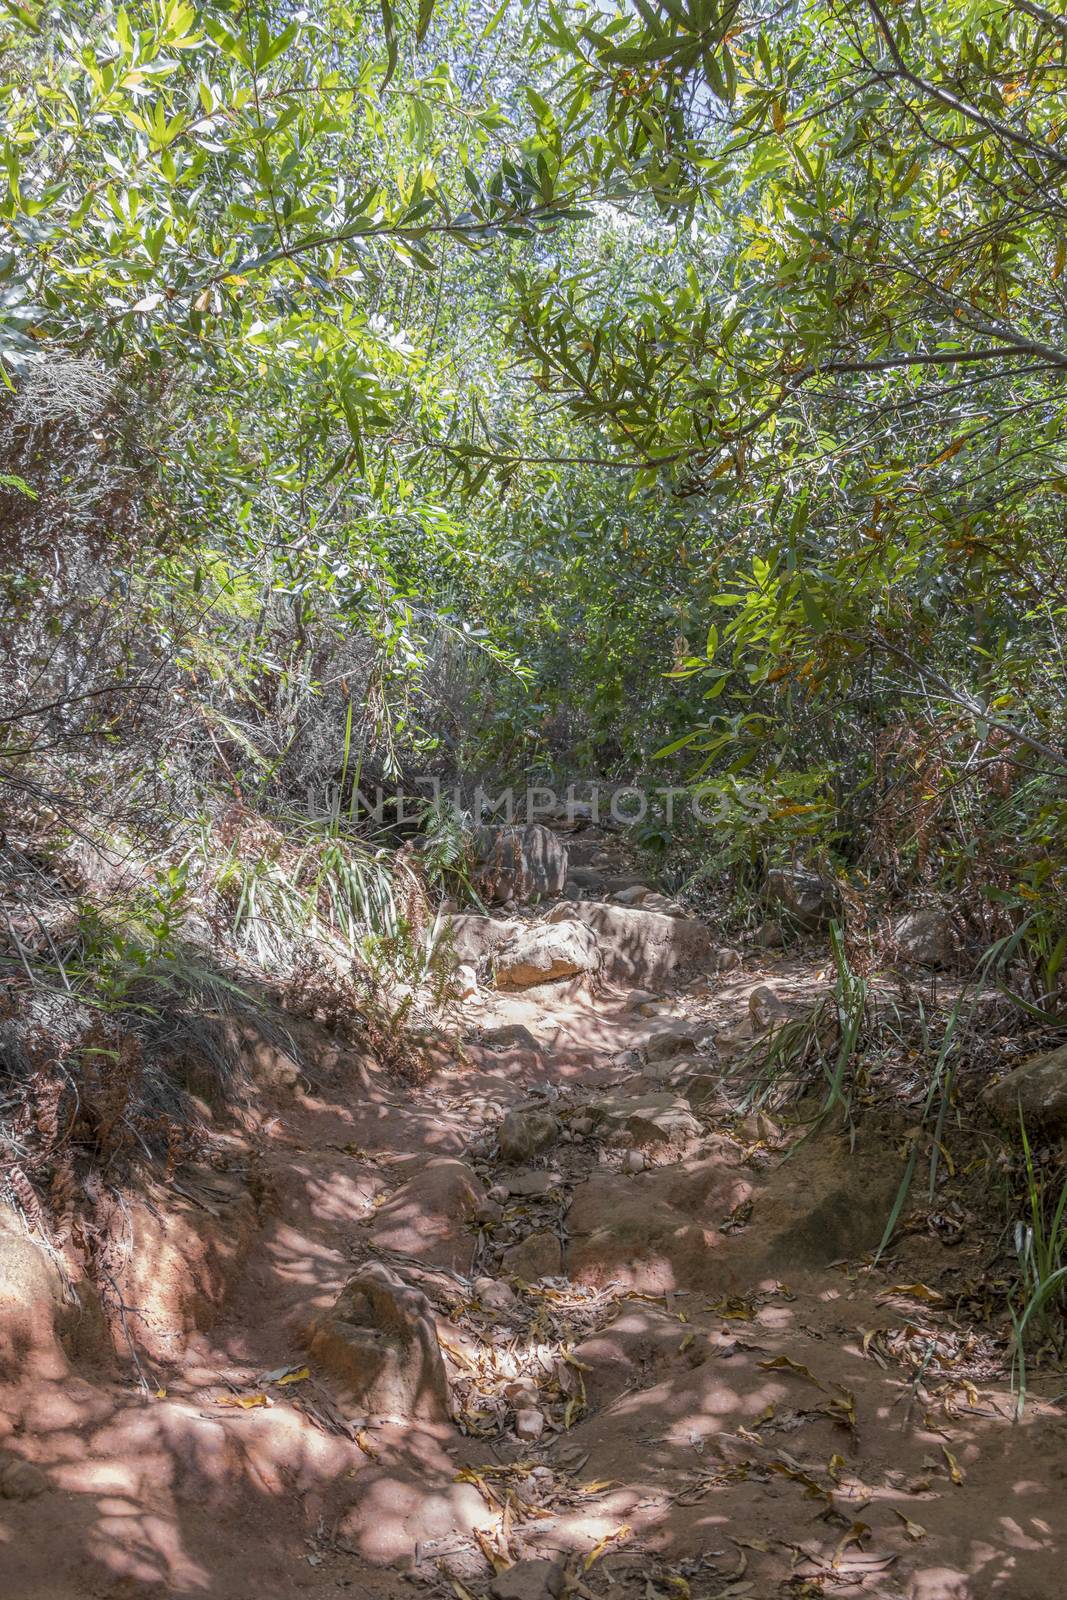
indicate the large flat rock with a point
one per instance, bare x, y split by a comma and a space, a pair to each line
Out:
545, 952
642, 949
1037, 1091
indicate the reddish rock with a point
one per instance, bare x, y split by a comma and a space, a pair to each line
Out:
434, 1214
537, 1256
544, 953
640, 948
525, 1134
379, 1341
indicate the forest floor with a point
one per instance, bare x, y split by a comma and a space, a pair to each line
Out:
674, 1298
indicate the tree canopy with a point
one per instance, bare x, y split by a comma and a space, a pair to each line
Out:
665, 380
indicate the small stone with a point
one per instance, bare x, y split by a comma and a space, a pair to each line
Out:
634, 1161
495, 1295
529, 1580
466, 981
674, 1038
641, 997
530, 1183
725, 960
633, 895
770, 935
764, 1009
524, 1134
539, 1255
529, 1424
21, 1480
522, 1394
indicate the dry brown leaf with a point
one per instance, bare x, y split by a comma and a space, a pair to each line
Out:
298, 1376
914, 1530
955, 1471
842, 1407
913, 1291
787, 1364
798, 1475
470, 1475
498, 1562
855, 1534
609, 1538
244, 1402
734, 1308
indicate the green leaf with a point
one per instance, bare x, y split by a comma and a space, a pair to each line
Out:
391, 46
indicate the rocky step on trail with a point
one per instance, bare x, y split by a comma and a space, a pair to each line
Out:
561, 1320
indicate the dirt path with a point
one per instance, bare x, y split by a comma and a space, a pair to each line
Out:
717, 1397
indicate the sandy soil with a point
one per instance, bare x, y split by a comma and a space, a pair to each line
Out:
734, 1402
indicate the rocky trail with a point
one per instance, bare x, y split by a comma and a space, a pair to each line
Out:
567, 1318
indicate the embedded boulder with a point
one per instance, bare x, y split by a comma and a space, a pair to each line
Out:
31, 1302
380, 1342
1037, 1090
525, 1134
810, 898
924, 937
476, 939
658, 1229
639, 948
765, 1010
433, 1215
539, 1255
545, 952
646, 1120
20, 1480
674, 1036
519, 864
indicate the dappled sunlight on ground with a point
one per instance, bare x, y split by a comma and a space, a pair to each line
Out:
723, 1380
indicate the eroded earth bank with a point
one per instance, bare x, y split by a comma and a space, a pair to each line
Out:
569, 1316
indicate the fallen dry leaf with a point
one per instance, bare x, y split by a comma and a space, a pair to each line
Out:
609, 1538
296, 1376
855, 1535
787, 1364
914, 1530
913, 1291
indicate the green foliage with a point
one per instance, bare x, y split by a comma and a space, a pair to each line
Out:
1041, 1248
520, 389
